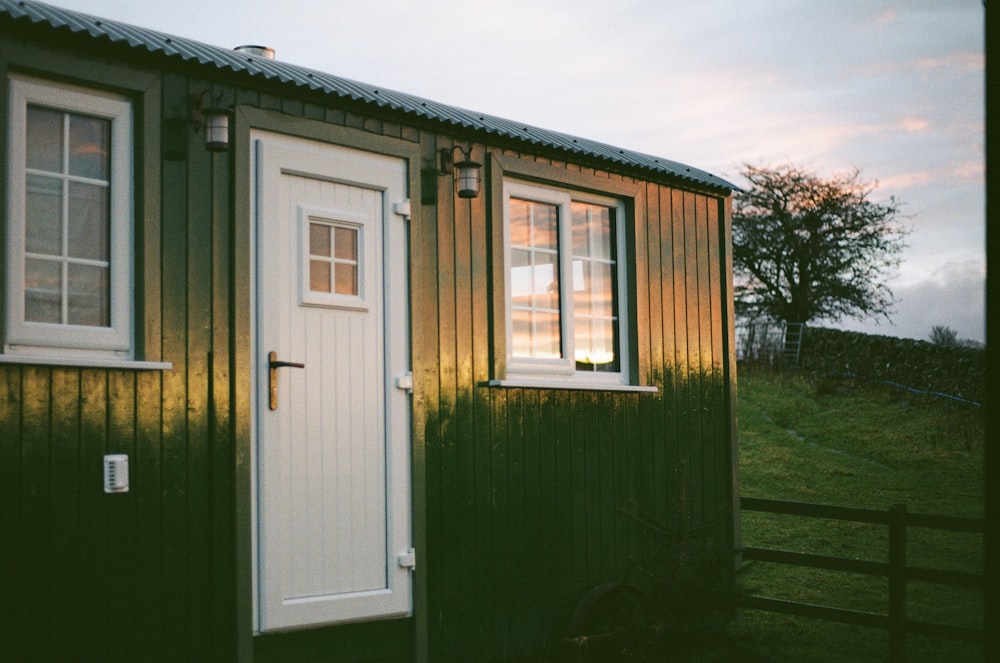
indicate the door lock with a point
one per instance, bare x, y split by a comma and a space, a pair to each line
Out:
272, 376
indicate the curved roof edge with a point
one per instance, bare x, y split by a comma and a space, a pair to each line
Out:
195, 52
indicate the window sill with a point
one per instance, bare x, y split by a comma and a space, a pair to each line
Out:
531, 383
87, 362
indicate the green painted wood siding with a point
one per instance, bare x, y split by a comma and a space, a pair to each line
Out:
520, 494
147, 574
528, 489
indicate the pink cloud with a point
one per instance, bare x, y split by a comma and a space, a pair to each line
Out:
966, 61
885, 18
913, 125
906, 180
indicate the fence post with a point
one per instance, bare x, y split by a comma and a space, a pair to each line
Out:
897, 583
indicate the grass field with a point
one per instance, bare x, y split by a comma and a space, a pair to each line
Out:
856, 444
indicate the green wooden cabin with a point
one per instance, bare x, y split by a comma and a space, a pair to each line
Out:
281, 381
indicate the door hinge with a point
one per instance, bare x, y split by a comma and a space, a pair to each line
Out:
402, 208
405, 382
408, 559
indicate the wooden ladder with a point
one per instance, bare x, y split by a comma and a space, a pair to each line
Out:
792, 347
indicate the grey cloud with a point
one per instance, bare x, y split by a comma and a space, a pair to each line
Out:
953, 296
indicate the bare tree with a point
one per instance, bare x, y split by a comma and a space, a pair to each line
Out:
807, 248
945, 336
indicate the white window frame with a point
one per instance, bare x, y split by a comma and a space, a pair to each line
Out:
33, 339
562, 372
365, 229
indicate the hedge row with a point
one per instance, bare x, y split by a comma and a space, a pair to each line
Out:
953, 370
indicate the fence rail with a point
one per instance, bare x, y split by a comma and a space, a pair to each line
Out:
896, 570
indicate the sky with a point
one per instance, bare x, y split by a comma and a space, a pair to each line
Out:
894, 88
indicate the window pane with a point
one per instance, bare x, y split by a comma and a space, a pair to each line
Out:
338, 273
347, 279
595, 345
581, 287
521, 280
547, 339
536, 334
89, 139
545, 224
88, 298
592, 232
520, 224
595, 317
44, 139
88, 221
546, 281
319, 240
43, 218
521, 337
581, 230
603, 234
42, 291
534, 279
594, 289
595, 322
534, 224
319, 276
346, 243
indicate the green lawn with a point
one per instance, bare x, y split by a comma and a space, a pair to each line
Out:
856, 444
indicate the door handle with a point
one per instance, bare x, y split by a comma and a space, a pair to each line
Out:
272, 376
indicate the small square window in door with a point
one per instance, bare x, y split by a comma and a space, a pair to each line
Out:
333, 260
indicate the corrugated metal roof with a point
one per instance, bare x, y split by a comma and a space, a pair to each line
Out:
274, 70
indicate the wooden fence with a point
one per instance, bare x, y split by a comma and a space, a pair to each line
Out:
896, 570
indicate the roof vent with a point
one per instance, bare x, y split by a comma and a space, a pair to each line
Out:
260, 51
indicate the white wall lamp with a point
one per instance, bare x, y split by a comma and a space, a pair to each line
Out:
467, 171
208, 114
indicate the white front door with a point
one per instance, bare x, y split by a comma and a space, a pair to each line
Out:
333, 454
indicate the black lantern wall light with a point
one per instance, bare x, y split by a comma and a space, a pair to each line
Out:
208, 115
467, 171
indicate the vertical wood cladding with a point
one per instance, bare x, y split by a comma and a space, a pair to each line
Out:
527, 493
528, 490
147, 574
